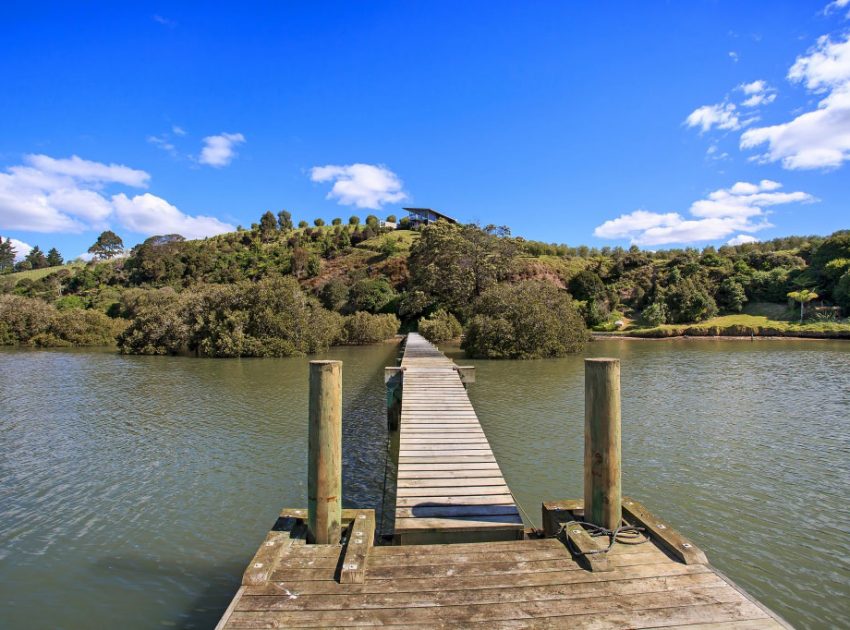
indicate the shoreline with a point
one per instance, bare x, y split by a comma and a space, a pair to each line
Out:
595, 336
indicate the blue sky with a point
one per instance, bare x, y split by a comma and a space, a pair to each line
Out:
659, 124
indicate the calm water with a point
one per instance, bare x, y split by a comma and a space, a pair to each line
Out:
134, 490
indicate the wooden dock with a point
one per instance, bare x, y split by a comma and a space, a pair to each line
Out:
563, 575
450, 487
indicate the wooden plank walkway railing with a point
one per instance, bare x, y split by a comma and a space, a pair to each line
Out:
450, 487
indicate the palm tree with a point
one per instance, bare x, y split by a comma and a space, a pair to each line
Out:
803, 296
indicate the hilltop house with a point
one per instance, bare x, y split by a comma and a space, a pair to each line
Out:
424, 216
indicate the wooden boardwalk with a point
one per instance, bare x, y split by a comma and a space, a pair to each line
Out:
493, 575
513, 584
450, 487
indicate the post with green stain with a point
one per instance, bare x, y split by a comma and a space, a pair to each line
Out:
602, 493
324, 466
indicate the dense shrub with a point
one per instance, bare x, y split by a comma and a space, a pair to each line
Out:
731, 295
587, 285
334, 294
363, 328
842, 292
34, 322
688, 301
655, 314
157, 324
524, 321
371, 295
272, 317
440, 326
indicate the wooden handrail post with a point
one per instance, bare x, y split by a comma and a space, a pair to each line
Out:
324, 467
602, 492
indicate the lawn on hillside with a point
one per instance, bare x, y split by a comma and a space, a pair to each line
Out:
37, 274
761, 319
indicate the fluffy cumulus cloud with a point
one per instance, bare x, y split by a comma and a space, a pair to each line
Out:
46, 194
740, 208
361, 185
741, 239
220, 150
819, 138
60, 195
149, 214
722, 116
757, 93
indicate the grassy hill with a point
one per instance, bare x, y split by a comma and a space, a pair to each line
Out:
452, 272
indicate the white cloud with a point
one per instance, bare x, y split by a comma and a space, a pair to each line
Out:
722, 116
163, 142
66, 195
220, 150
741, 239
90, 172
164, 21
149, 214
818, 138
177, 130
60, 195
759, 93
835, 5
740, 208
733, 56
753, 88
361, 185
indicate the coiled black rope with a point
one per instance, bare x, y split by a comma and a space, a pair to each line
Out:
624, 533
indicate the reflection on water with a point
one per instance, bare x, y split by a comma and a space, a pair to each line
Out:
135, 489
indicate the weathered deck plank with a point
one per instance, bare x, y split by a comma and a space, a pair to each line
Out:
439, 433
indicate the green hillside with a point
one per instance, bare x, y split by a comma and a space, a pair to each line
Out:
221, 296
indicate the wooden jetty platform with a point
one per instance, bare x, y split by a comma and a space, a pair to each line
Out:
450, 487
625, 568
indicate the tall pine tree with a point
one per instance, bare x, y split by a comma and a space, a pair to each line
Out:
7, 255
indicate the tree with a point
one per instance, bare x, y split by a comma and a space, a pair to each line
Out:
284, 220
7, 255
302, 224
336, 221
36, 258
391, 218
587, 285
318, 222
268, 226
372, 220
454, 264
107, 245
353, 220
689, 301
54, 258
334, 294
440, 326
527, 320
842, 292
371, 295
655, 314
803, 296
731, 295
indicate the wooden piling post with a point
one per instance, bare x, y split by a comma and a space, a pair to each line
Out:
324, 468
602, 492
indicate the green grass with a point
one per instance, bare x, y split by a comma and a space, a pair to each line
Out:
744, 325
403, 238
36, 274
